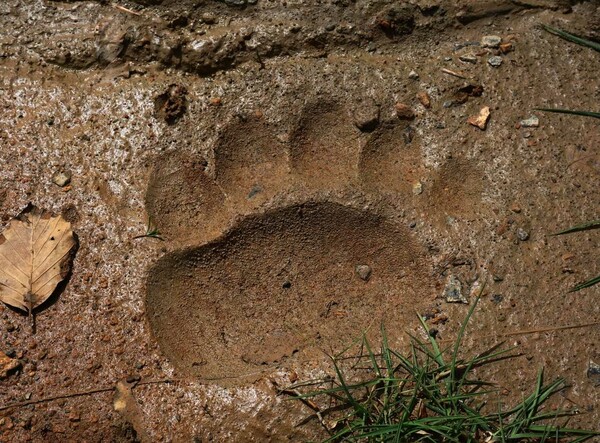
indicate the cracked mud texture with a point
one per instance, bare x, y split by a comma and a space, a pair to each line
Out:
237, 131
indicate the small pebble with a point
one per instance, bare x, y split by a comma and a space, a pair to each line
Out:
468, 58
453, 291
413, 75
61, 178
417, 188
491, 41
495, 61
522, 234
424, 98
256, 189
404, 112
408, 134
531, 122
480, 120
208, 18
363, 271
593, 372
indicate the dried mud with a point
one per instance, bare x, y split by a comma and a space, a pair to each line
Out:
265, 144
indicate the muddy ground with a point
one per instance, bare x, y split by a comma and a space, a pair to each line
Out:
312, 173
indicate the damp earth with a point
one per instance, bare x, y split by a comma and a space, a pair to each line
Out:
305, 172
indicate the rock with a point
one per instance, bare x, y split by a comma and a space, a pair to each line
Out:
515, 208
235, 2
396, 20
468, 58
366, 116
593, 372
208, 18
413, 75
522, 234
7, 365
363, 271
424, 98
481, 119
417, 188
531, 122
453, 291
491, 41
408, 134
404, 112
61, 179
495, 61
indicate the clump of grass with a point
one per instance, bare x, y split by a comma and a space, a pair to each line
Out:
151, 231
430, 395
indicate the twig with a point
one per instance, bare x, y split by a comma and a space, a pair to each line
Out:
124, 9
78, 394
56, 397
112, 388
580, 159
455, 74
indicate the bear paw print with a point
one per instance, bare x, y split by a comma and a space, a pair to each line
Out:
290, 246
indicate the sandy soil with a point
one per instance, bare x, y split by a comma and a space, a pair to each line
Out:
307, 185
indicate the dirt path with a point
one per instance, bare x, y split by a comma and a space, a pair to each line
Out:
312, 172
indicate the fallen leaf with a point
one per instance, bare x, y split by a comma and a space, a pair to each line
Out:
481, 119
7, 365
36, 252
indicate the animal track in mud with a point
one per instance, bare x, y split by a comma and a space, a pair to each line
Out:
283, 280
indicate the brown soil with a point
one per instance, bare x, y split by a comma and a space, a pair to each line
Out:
265, 144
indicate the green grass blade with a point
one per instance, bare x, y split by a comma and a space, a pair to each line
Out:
586, 284
572, 37
569, 111
438, 357
582, 227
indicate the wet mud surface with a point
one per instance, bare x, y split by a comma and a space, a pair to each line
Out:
312, 173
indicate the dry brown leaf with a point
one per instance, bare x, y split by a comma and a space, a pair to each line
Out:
7, 365
35, 256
